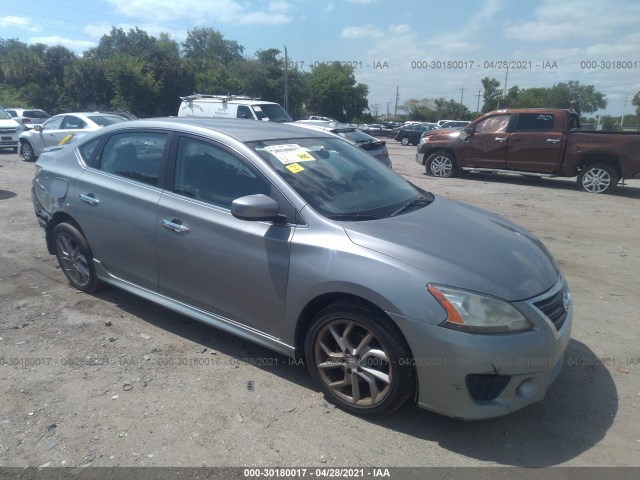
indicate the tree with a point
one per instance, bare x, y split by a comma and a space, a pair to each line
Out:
492, 94
333, 92
636, 103
206, 48
582, 98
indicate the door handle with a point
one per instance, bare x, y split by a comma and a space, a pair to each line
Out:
174, 225
501, 139
89, 198
553, 140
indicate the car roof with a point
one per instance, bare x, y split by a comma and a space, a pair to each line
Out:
242, 129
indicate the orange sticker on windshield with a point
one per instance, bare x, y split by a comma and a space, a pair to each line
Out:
295, 168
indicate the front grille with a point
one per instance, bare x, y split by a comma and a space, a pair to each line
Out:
486, 387
554, 308
6, 131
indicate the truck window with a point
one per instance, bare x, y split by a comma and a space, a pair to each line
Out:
495, 124
535, 122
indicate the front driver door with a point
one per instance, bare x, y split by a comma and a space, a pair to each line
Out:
210, 259
487, 145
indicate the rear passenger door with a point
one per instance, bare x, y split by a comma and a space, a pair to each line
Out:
115, 201
536, 143
207, 257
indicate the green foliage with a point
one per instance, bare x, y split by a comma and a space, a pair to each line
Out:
432, 110
581, 98
636, 103
333, 92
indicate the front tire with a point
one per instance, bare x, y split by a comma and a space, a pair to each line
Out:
404, 141
26, 151
75, 257
441, 164
598, 178
359, 359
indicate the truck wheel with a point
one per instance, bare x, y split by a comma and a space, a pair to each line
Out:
404, 141
598, 178
441, 164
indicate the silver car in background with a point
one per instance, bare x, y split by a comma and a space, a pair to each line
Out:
374, 147
61, 128
297, 241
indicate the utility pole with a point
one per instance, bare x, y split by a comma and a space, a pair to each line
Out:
395, 112
286, 80
388, 103
624, 109
461, 97
478, 95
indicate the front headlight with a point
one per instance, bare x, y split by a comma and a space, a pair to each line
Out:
425, 139
471, 312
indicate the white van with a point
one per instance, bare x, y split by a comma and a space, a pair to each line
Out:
231, 106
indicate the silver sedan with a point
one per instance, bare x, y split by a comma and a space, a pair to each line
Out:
296, 240
61, 128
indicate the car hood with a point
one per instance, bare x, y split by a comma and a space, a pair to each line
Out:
463, 246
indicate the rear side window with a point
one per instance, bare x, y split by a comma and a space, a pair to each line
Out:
134, 155
104, 120
535, 122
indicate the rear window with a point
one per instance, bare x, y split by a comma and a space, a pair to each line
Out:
535, 122
35, 114
354, 135
104, 120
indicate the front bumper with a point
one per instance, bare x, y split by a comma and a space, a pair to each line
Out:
474, 376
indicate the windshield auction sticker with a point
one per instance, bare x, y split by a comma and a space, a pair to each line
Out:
290, 153
295, 168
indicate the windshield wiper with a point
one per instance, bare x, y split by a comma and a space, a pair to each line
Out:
412, 203
353, 216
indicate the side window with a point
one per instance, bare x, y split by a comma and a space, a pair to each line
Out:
535, 122
244, 112
209, 173
53, 123
495, 124
72, 123
134, 155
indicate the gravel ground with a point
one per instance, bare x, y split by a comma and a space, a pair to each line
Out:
112, 380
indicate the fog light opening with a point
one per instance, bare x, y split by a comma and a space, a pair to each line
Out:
527, 388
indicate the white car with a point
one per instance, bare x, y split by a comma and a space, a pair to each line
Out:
61, 129
9, 131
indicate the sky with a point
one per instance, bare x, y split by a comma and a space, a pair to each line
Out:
413, 48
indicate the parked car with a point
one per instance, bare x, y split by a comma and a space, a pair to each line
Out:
410, 134
9, 131
34, 140
28, 115
321, 118
123, 114
374, 147
297, 241
454, 124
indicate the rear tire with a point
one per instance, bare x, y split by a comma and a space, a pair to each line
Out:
75, 257
359, 359
404, 141
598, 178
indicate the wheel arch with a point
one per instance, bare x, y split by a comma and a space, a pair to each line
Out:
433, 150
593, 158
315, 305
58, 218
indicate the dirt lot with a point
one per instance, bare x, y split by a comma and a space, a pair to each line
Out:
156, 388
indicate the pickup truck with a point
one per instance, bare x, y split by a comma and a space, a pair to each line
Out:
533, 142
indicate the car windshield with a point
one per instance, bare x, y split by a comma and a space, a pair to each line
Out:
4, 114
104, 120
337, 179
273, 112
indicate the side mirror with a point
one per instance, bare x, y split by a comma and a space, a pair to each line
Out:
37, 127
255, 207
466, 133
